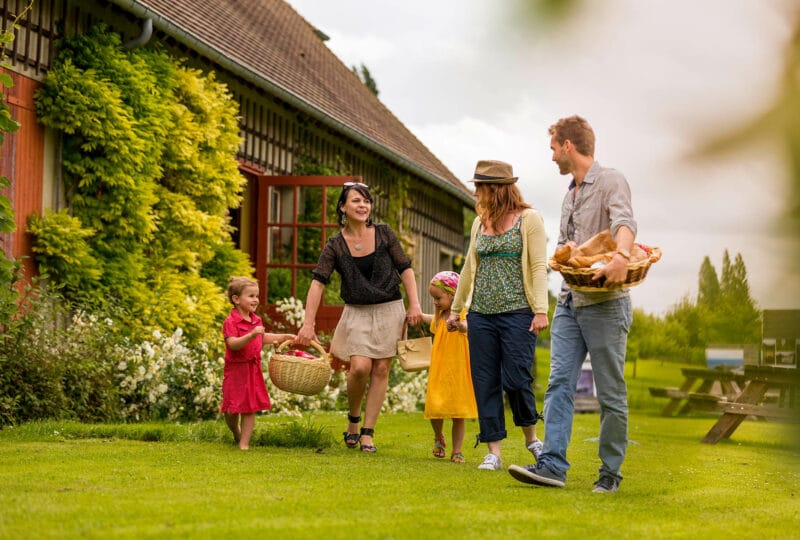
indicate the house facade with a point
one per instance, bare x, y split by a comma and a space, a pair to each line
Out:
307, 124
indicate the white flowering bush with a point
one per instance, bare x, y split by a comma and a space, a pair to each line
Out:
165, 378
82, 365
292, 311
408, 394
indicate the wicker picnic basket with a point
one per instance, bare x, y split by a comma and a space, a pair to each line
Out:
306, 376
580, 279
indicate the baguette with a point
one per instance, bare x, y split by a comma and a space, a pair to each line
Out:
602, 242
585, 261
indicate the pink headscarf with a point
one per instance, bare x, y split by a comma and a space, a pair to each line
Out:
447, 281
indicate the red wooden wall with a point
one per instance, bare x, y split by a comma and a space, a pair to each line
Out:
22, 161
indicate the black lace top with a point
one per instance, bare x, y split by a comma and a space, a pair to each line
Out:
388, 262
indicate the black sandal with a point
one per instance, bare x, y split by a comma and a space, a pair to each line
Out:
352, 439
368, 448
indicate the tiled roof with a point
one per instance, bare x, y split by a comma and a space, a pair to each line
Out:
276, 45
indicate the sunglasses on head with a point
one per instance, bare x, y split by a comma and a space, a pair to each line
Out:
351, 184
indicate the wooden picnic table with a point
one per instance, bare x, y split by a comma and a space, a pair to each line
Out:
702, 389
752, 401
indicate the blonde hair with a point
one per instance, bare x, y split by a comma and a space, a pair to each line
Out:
496, 200
237, 285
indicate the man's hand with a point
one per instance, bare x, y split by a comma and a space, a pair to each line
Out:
615, 272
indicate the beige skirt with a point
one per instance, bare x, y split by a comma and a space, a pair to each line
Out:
368, 330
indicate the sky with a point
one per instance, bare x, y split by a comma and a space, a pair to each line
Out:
656, 79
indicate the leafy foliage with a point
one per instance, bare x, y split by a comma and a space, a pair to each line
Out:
366, 77
149, 172
724, 313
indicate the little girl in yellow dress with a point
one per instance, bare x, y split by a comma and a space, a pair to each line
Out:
450, 393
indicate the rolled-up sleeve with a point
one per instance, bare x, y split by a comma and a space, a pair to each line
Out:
617, 198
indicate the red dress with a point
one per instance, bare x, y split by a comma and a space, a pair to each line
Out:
243, 387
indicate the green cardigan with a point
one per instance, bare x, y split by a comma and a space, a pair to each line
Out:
534, 267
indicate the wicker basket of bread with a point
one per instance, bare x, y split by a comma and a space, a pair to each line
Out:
577, 264
298, 371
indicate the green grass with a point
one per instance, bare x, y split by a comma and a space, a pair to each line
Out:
191, 481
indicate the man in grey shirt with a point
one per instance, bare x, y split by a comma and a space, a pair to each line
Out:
599, 198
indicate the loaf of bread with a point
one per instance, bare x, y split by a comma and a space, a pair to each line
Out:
602, 242
585, 261
638, 254
564, 253
600, 247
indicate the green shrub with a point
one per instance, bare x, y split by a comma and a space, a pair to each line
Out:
149, 171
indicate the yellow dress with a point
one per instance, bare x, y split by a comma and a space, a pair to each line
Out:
450, 393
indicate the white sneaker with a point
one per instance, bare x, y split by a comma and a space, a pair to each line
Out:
491, 463
536, 448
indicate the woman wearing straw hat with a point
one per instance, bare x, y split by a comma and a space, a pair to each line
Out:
503, 286
372, 264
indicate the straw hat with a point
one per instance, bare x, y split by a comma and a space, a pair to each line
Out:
489, 171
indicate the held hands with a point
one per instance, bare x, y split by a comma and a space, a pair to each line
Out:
414, 315
452, 322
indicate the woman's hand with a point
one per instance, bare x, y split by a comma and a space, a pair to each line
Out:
306, 334
414, 315
452, 322
538, 323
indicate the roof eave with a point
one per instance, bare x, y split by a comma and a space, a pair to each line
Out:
214, 54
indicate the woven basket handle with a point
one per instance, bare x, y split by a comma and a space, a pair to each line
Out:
314, 343
419, 326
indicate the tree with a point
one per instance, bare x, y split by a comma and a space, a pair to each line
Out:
366, 77
708, 289
739, 310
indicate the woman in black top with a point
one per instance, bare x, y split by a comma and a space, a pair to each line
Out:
372, 265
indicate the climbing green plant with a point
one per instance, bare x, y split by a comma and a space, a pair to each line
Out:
149, 172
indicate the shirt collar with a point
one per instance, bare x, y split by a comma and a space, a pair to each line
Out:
237, 317
591, 175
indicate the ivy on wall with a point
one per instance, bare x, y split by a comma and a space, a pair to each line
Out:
149, 172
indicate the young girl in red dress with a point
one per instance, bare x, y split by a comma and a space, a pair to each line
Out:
243, 389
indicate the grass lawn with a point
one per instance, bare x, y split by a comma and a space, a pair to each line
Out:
199, 485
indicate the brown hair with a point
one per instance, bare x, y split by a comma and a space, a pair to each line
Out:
497, 200
364, 191
575, 129
237, 285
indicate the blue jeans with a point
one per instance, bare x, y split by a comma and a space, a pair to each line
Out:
602, 331
501, 351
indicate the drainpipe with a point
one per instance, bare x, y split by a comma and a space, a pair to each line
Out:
144, 37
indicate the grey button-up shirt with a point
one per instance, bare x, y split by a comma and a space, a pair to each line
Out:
603, 202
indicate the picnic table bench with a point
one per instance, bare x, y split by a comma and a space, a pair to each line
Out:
702, 389
753, 402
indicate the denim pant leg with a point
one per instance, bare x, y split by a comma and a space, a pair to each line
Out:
567, 353
518, 349
605, 329
484, 355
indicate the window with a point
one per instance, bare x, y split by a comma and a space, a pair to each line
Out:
296, 216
